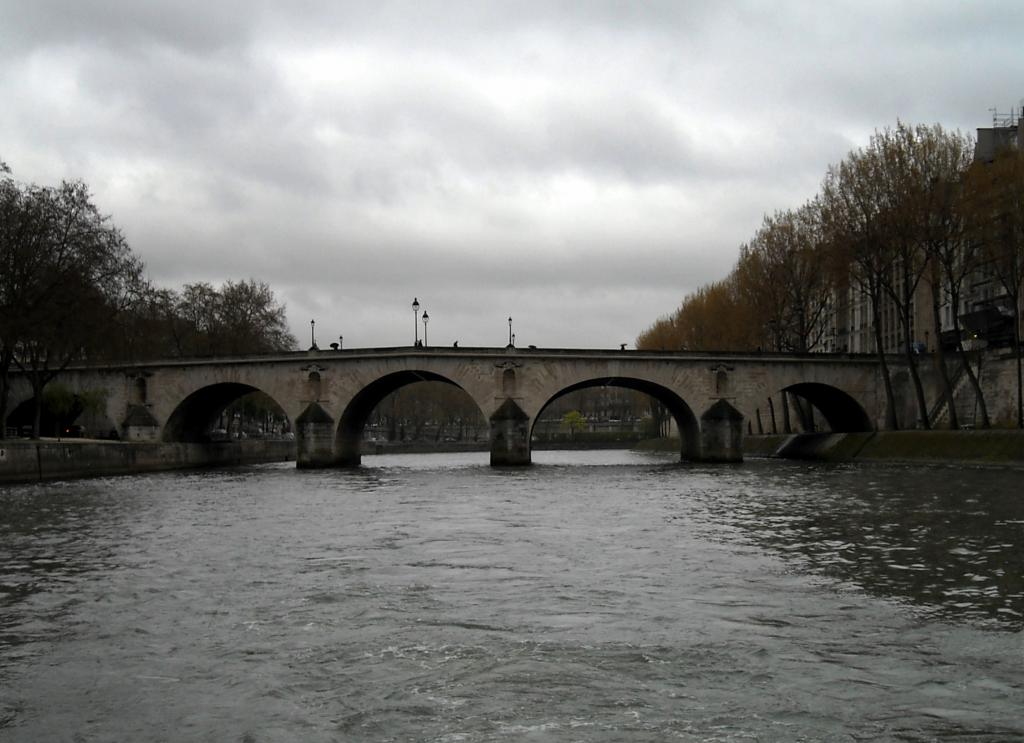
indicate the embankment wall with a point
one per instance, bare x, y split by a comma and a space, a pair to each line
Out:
993, 447
27, 461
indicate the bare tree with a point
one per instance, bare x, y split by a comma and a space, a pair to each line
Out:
13, 238
251, 320
68, 271
953, 256
896, 165
783, 276
202, 320
853, 223
195, 324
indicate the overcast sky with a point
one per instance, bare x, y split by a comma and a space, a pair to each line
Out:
579, 166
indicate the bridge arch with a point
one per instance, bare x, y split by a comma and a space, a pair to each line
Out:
682, 413
79, 411
349, 435
193, 418
841, 411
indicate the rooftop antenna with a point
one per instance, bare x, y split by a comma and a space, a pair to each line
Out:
1008, 120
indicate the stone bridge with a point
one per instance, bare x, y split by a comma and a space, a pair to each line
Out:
329, 395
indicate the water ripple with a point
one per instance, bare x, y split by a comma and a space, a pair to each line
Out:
596, 596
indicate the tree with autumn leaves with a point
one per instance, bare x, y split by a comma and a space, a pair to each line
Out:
909, 211
775, 299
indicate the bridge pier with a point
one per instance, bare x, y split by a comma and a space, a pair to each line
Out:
721, 434
510, 436
314, 438
349, 452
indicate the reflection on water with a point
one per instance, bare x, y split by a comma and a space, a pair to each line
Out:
599, 596
949, 540
41, 537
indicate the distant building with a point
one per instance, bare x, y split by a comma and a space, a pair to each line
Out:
1007, 130
849, 325
985, 314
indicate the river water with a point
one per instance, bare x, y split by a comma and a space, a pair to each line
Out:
596, 596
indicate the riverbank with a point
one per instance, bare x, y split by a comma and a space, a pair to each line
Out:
23, 460
993, 447
51, 459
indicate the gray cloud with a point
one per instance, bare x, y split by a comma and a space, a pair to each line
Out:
580, 166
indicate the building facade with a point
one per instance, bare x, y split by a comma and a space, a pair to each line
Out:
985, 313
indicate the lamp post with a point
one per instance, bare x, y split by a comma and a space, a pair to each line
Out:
426, 318
510, 331
416, 321
312, 335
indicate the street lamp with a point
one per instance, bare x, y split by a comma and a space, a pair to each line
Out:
510, 331
312, 335
416, 320
426, 318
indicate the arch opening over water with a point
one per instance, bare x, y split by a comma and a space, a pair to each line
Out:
356, 417
678, 409
196, 418
841, 411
